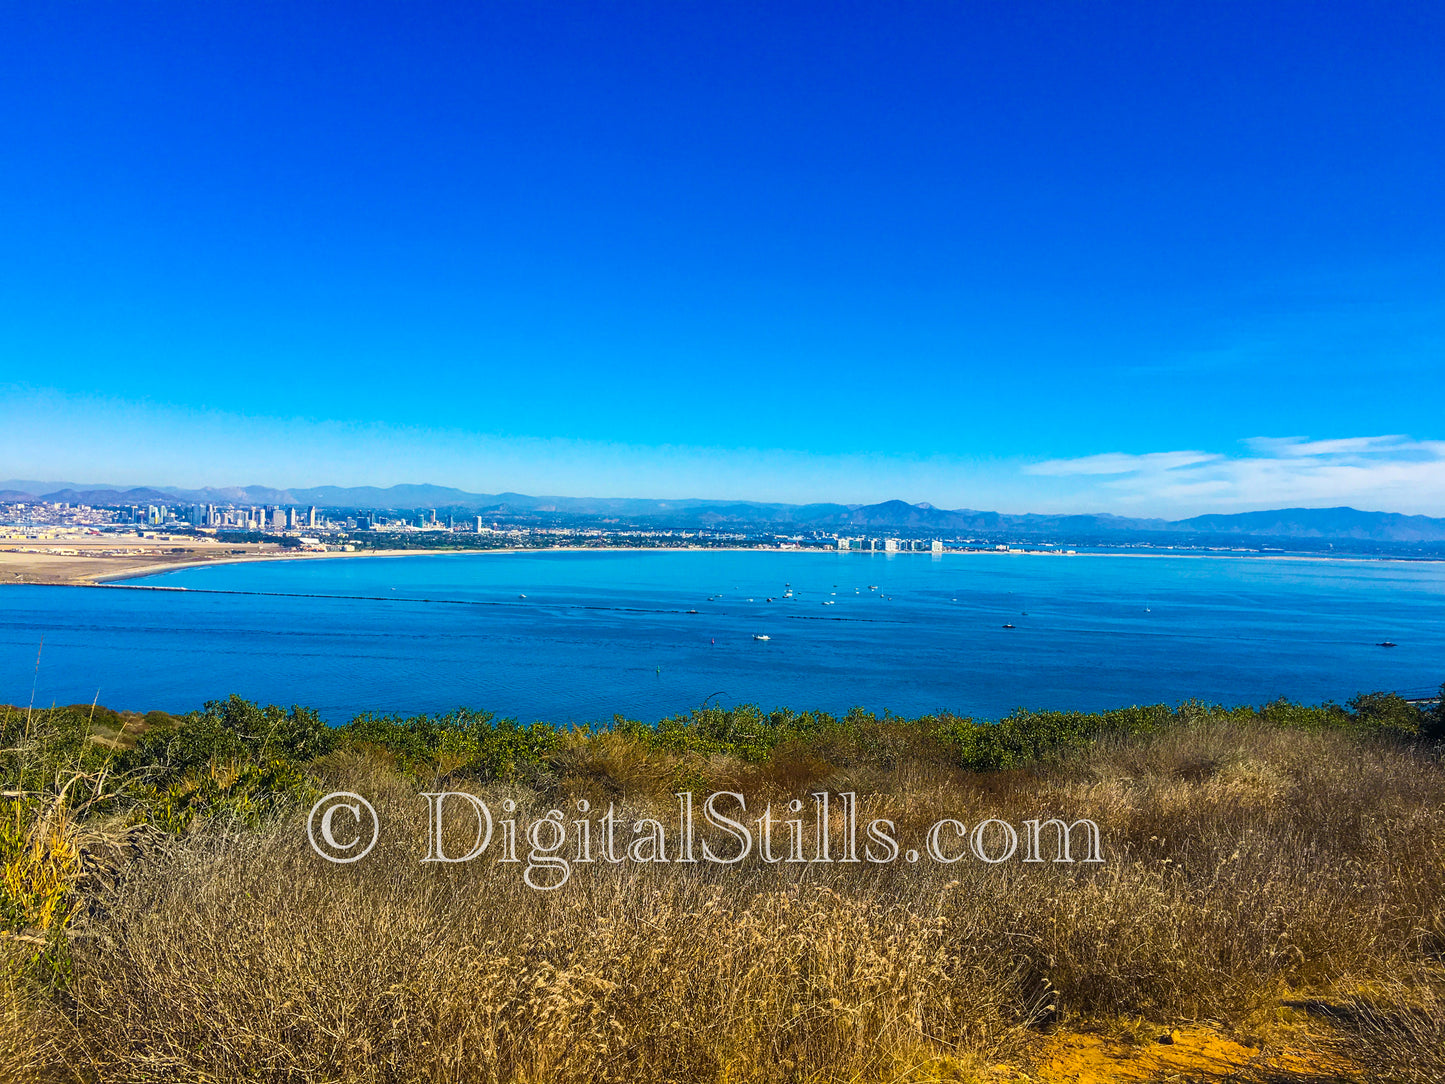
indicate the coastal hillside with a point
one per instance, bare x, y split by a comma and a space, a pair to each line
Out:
1263, 901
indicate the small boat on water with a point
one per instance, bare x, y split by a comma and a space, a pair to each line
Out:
521, 596
692, 611
828, 602
764, 636
1387, 643
1009, 626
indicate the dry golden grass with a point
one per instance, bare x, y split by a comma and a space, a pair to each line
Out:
35, 1036
1398, 1025
1245, 864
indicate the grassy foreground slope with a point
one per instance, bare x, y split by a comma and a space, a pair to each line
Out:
1275, 875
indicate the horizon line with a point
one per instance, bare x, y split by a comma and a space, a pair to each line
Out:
849, 505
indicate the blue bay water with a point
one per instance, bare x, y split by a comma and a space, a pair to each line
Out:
606, 632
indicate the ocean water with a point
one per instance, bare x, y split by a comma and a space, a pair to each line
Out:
612, 632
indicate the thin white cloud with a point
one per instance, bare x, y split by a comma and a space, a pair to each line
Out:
1299, 446
1390, 473
1120, 463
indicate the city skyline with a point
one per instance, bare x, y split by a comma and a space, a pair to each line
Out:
275, 511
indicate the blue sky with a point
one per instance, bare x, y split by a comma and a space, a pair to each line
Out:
1146, 258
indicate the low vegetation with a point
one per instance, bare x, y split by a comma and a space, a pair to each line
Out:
164, 917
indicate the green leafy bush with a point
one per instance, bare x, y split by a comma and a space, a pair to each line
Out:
471, 742
1387, 711
230, 730
228, 789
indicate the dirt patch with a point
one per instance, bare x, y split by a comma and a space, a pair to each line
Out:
83, 561
1194, 1053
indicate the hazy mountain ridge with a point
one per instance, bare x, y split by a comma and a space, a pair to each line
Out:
1323, 523
139, 495
895, 515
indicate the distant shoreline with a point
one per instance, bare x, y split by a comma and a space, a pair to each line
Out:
34, 566
118, 579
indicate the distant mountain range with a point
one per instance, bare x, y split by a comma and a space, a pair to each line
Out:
1286, 523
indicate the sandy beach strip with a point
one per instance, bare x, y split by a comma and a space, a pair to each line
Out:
110, 561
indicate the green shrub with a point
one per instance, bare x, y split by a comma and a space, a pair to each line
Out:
1432, 721
233, 758
40, 748
1286, 713
235, 790
230, 730
1387, 711
472, 742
